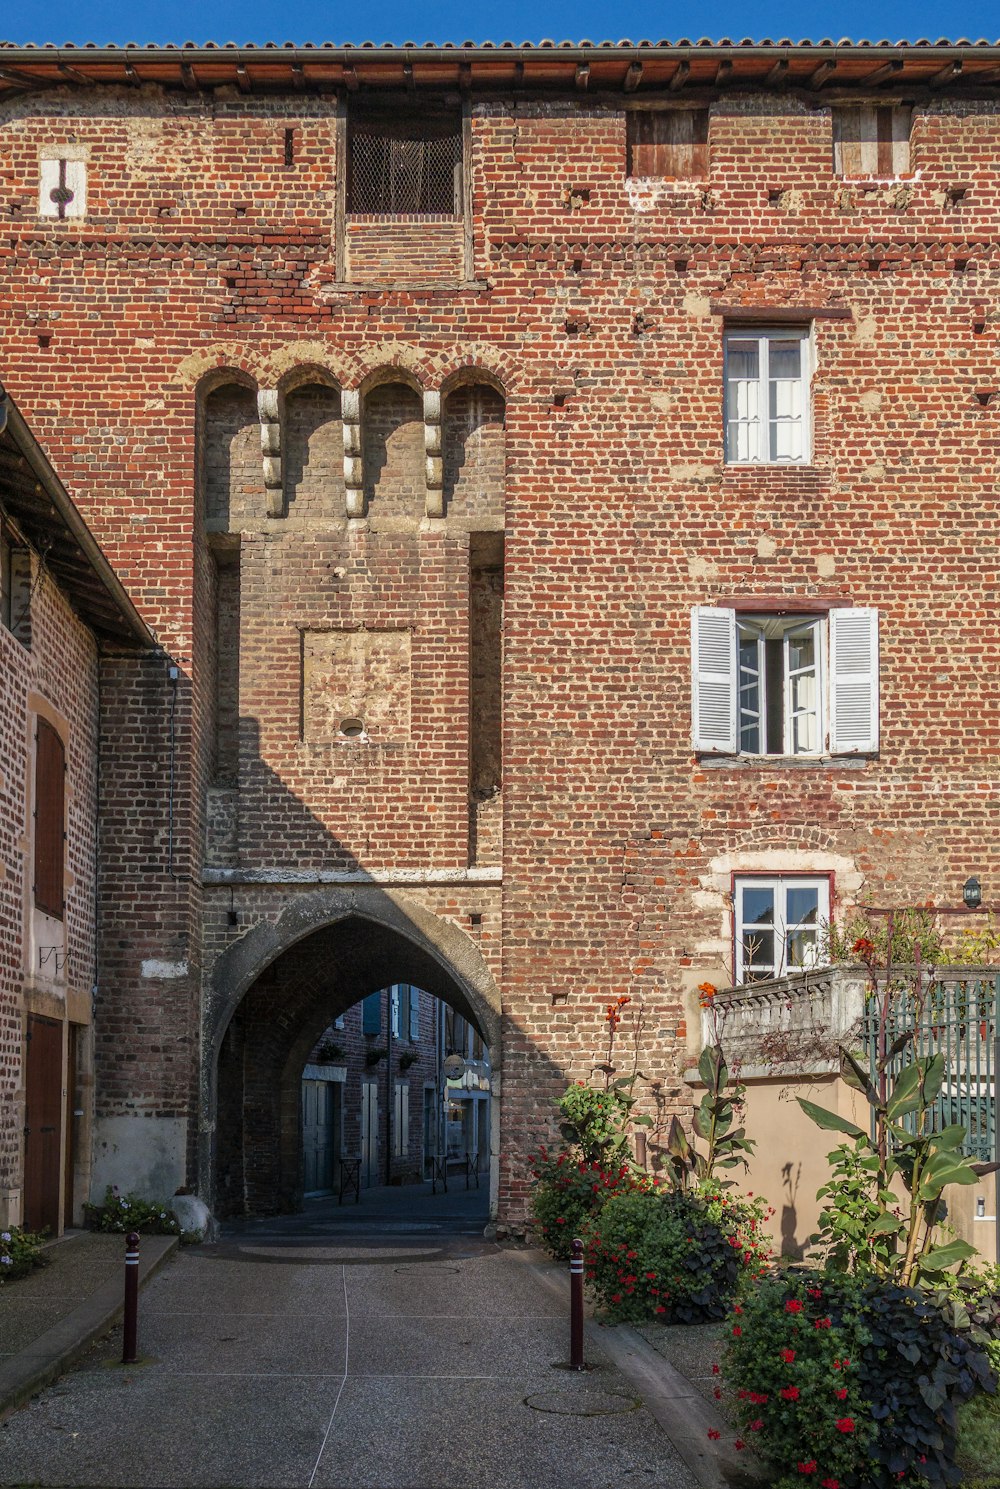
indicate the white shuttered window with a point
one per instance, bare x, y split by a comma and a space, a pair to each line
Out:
785, 685
871, 141
767, 397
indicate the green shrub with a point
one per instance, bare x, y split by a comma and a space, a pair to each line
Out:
851, 1381
659, 1253
569, 1191
20, 1252
126, 1212
594, 1120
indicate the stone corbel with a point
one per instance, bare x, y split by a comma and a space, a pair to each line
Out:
432, 452
269, 413
354, 466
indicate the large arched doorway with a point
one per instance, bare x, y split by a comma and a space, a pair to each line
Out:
273, 996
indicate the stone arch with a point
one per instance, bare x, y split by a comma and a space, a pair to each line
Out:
473, 443
230, 477
312, 442
270, 996
393, 447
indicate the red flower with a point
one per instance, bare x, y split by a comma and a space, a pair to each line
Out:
841, 1395
715, 1369
757, 1425
713, 1434
845, 1424
739, 1443
789, 1393
793, 1306
814, 1292
830, 1484
823, 1323
717, 1393
616, 1297
788, 1355
737, 1332
737, 1308
809, 1467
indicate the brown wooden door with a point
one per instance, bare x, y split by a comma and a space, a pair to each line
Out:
42, 1124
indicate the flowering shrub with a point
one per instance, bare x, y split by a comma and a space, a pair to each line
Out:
744, 1218
844, 1381
20, 1253
659, 1253
568, 1191
124, 1212
594, 1121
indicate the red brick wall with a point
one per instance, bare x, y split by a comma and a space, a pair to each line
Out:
592, 304
55, 677
416, 250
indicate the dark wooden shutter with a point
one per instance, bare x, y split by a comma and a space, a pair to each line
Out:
50, 817
672, 143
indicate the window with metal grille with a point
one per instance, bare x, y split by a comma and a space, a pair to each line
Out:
405, 168
50, 812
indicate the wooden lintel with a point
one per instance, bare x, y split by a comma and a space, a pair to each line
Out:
723, 72
882, 74
350, 78
298, 76
780, 315
819, 75
947, 74
784, 604
680, 77
188, 78
777, 73
633, 77
243, 79
583, 75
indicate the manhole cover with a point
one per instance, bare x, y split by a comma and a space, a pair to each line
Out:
585, 1403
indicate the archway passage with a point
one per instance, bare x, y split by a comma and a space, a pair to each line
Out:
281, 1021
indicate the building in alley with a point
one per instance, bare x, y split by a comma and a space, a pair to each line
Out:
562, 482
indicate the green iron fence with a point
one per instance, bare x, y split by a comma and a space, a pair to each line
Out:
955, 1016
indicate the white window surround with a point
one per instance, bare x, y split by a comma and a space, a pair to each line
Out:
777, 921
784, 685
62, 185
767, 375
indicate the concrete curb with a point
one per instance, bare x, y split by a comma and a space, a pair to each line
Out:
59, 1348
669, 1397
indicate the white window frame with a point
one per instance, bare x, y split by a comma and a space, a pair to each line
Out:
762, 453
847, 680
780, 884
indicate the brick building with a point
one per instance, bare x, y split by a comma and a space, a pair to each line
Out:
63, 614
650, 390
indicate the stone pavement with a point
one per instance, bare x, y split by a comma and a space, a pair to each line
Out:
328, 1352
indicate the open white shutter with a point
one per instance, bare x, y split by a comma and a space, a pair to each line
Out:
853, 681
713, 679
414, 1014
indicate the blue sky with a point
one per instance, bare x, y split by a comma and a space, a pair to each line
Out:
105, 21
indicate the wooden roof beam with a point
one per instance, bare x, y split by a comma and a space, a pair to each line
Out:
71, 74
132, 77
24, 79
350, 78
633, 77
778, 73
723, 73
298, 77
821, 74
243, 78
680, 77
188, 78
883, 74
947, 74
583, 75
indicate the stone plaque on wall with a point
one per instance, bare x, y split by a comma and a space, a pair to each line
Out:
356, 685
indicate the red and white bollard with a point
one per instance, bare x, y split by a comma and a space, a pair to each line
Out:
576, 1306
131, 1322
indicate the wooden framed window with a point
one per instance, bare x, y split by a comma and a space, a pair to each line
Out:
767, 377
778, 921
669, 143
870, 141
50, 819
785, 685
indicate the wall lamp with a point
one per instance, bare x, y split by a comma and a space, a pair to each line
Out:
972, 894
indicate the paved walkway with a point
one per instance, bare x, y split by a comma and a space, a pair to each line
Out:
393, 1351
